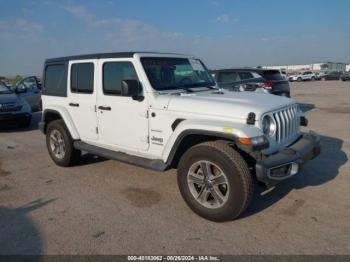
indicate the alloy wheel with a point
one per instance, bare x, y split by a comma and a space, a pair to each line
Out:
208, 184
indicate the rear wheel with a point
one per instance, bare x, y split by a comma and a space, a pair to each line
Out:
60, 144
215, 181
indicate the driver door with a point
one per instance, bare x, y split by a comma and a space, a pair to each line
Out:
122, 121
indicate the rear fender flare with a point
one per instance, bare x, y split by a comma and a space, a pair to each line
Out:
65, 116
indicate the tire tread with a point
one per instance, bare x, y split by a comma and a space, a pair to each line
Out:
242, 167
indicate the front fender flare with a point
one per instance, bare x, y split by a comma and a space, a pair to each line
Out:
220, 129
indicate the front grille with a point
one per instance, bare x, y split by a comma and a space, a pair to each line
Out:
9, 107
288, 122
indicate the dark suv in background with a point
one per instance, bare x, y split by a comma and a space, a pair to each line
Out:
332, 75
253, 79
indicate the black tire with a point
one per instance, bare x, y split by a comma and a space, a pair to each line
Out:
26, 123
313, 78
239, 180
285, 94
71, 155
299, 79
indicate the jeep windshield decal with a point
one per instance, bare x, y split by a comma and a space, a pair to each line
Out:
176, 73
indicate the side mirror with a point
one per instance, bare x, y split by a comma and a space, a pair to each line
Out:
20, 89
133, 89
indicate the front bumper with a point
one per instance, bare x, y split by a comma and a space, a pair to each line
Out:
288, 162
15, 116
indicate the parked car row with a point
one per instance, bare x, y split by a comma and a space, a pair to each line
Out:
312, 76
252, 79
258, 80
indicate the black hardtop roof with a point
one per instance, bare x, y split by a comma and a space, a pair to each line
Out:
245, 69
101, 55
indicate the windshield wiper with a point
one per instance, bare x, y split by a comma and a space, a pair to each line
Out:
199, 85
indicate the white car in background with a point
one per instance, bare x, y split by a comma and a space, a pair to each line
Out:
307, 75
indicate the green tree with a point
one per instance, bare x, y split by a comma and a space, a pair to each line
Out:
324, 66
16, 79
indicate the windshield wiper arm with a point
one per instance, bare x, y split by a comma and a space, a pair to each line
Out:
199, 85
175, 88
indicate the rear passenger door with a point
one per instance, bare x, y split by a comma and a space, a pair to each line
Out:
82, 97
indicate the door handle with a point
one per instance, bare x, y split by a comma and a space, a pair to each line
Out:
105, 108
74, 104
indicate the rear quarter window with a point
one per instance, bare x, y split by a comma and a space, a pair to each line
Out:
246, 75
82, 78
272, 75
227, 77
55, 80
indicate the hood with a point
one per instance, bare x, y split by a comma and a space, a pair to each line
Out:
228, 104
8, 98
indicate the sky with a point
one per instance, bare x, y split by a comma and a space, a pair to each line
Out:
223, 33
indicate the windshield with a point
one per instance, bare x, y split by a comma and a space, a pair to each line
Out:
176, 73
4, 89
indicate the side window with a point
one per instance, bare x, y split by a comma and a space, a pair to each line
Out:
227, 77
113, 75
82, 78
245, 75
28, 83
55, 80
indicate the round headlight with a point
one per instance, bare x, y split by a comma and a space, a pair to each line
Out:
268, 126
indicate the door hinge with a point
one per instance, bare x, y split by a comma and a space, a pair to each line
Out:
96, 130
147, 139
147, 114
95, 108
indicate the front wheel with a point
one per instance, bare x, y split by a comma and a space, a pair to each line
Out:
299, 79
60, 144
215, 181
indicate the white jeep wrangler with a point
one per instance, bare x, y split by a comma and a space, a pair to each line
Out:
162, 111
